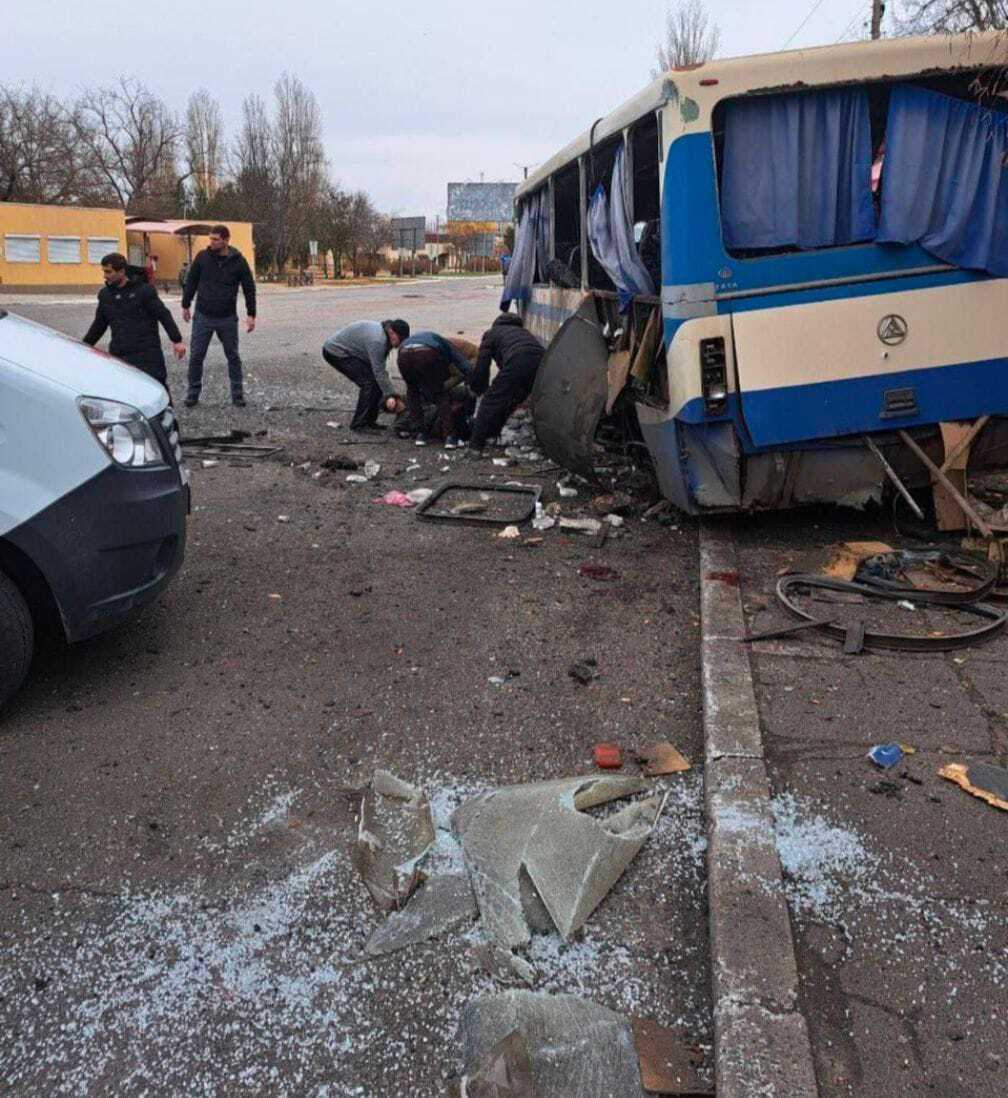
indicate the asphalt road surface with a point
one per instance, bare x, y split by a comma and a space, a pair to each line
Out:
178, 910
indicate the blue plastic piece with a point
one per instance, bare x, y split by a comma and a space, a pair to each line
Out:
886, 755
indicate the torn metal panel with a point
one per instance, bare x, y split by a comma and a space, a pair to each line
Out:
394, 835
714, 462
572, 859
570, 393
442, 904
576, 1048
849, 475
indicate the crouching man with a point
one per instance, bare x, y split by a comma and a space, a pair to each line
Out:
359, 351
518, 355
436, 370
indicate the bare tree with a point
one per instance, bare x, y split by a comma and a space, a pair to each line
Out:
40, 160
691, 37
132, 138
300, 165
253, 193
204, 147
951, 16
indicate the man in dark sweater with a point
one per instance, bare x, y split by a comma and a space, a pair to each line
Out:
518, 354
133, 310
213, 279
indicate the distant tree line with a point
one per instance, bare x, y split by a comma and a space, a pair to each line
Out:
121, 145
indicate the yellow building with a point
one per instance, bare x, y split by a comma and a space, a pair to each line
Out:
171, 243
51, 248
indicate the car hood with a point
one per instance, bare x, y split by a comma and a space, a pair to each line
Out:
76, 367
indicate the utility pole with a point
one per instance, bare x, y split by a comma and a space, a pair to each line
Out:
877, 11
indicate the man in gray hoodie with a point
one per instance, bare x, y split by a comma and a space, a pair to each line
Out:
359, 352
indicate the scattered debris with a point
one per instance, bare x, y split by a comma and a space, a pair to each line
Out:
503, 680
395, 499
983, 780
438, 506
542, 521
566, 489
533, 851
510, 533
394, 835
576, 1048
584, 671
371, 469
209, 463
502, 462
338, 461
886, 755
844, 559
597, 572
503, 1072
357, 478
608, 756
469, 508
906, 604
662, 507
669, 1062
615, 521
440, 905
584, 525
283, 518
333, 424
420, 495
662, 758
612, 504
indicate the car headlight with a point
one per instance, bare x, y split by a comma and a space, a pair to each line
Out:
122, 431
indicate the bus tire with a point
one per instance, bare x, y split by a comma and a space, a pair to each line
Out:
17, 639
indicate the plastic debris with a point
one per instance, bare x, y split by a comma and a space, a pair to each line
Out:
615, 521
394, 835
597, 572
442, 904
357, 478
420, 495
576, 1048
906, 604
283, 518
566, 489
584, 671
608, 756
983, 780
542, 521
371, 469
662, 758
584, 525
502, 462
395, 499
333, 424
533, 851
209, 463
509, 533
886, 755
668, 1060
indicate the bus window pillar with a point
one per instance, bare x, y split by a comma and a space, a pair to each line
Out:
583, 184
551, 206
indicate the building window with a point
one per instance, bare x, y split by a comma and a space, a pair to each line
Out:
97, 246
23, 249
64, 249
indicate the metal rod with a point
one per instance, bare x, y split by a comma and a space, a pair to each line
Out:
949, 487
897, 483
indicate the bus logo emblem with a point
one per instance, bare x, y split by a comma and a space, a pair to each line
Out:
892, 330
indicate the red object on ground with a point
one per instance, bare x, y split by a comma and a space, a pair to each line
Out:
598, 572
608, 756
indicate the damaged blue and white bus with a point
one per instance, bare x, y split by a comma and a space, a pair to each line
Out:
788, 270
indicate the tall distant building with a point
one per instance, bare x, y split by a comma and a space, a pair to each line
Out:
481, 212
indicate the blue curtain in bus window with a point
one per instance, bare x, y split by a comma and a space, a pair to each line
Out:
542, 236
945, 180
521, 272
611, 236
797, 171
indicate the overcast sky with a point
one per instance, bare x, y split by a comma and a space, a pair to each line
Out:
413, 93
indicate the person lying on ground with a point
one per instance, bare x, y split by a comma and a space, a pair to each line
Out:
359, 352
132, 309
435, 370
518, 355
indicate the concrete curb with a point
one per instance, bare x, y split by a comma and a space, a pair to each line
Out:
761, 1040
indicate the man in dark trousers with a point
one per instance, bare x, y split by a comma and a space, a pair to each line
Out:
132, 309
518, 354
435, 370
359, 352
213, 279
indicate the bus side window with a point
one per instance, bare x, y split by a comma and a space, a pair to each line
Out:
565, 269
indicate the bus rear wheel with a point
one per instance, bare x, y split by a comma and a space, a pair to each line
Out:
17, 639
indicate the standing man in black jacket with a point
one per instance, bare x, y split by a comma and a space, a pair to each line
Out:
518, 354
132, 309
213, 279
